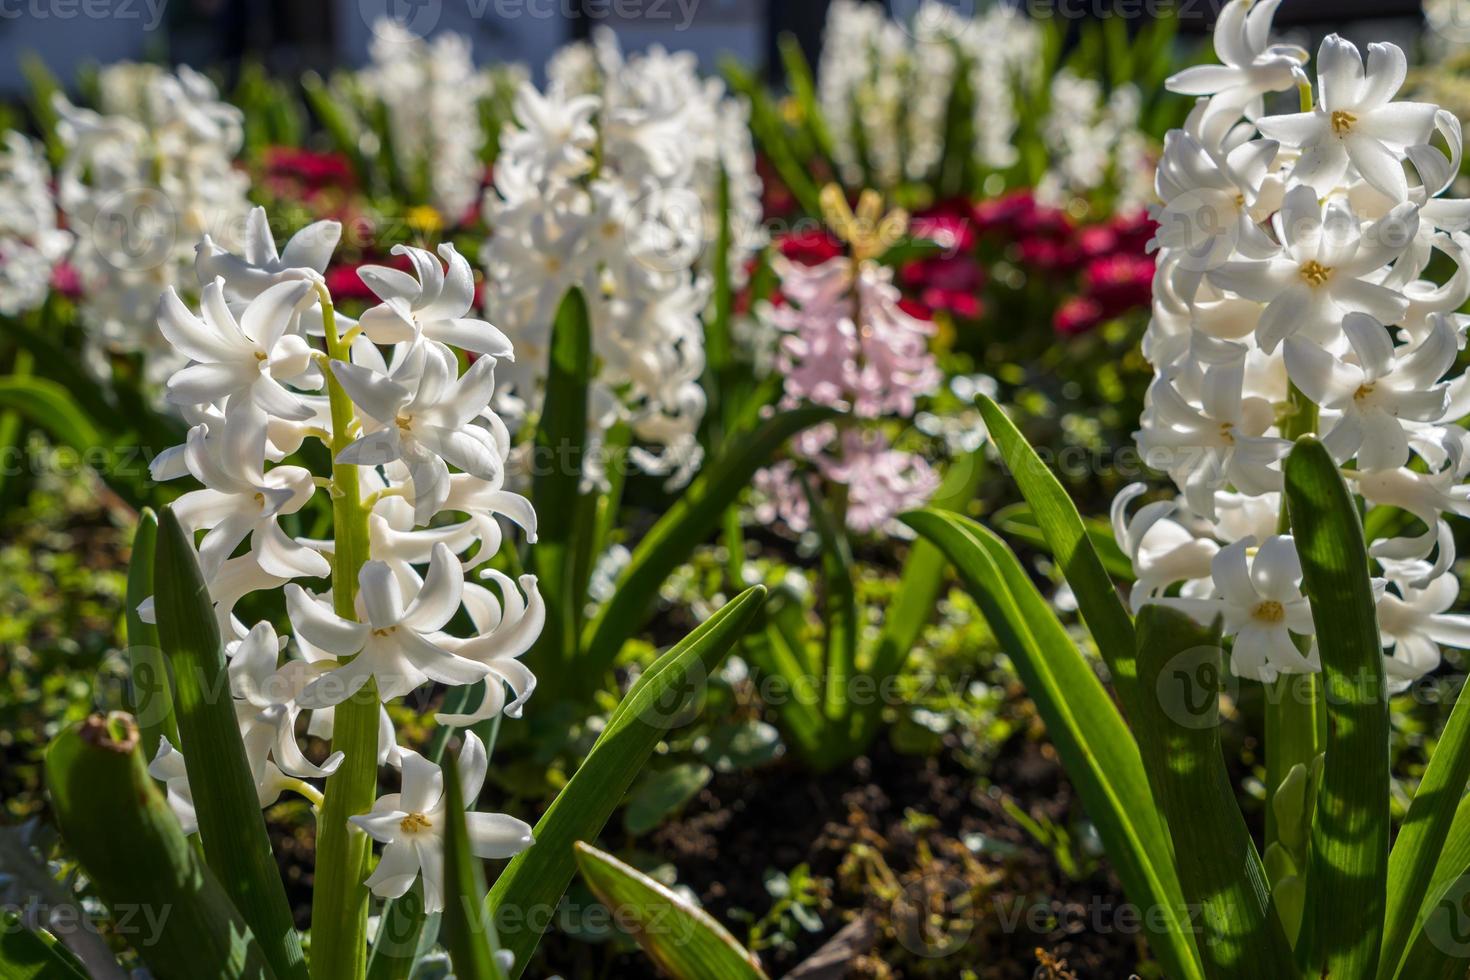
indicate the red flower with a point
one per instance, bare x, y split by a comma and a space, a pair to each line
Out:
1077, 315
809, 247
951, 283
951, 223
1118, 283
314, 170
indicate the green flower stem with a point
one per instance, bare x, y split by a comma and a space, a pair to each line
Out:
339, 906
1296, 719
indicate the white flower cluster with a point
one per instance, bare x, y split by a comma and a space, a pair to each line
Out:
142, 181
30, 243
431, 91
1290, 295
258, 359
884, 88
1090, 139
603, 183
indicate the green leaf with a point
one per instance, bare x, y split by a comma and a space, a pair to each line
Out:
230, 823
1441, 943
840, 613
469, 933
561, 439
338, 123
799, 77
150, 691
51, 407
771, 136
1421, 839
1017, 521
1179, 734
684, 941
1348, 872
1094, 743
1106, 616
27, 955
121, 831
529, 888
671, 541
662, 793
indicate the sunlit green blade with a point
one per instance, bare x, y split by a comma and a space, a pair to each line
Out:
1017, 521
1421, 839
149, 688
51, 407
1179, 734
1440, 947
121, 831
561, 439
231, 826
535, 879
26, 955
682, 939
1348, 872
1090, 736
1066, 535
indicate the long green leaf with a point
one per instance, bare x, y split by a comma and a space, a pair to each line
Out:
339, 125
682, 939
1441, 943
150, 690
561, 439
26, 955
1062, 526
1421, 839
51, 407
1179, 734
525, 894
799, 77
1090, 736
682, 528
1017, 521
1348, 872
122, 832
230, 823
469, 932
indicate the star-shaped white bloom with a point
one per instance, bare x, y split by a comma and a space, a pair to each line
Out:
1325, 269
422, 415
504, 629
433, 305
242, 498
249, 357
1258, 596
1377, 391
1354, 122
1162, 549
555, 137
1221, 441
170, 768
1251, 65
260, 267
410, 824
1414, 621
400, 645
266, 707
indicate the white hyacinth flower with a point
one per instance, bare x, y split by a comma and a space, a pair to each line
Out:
399, 644
410, 824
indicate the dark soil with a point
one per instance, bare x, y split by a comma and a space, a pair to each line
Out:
894, 834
